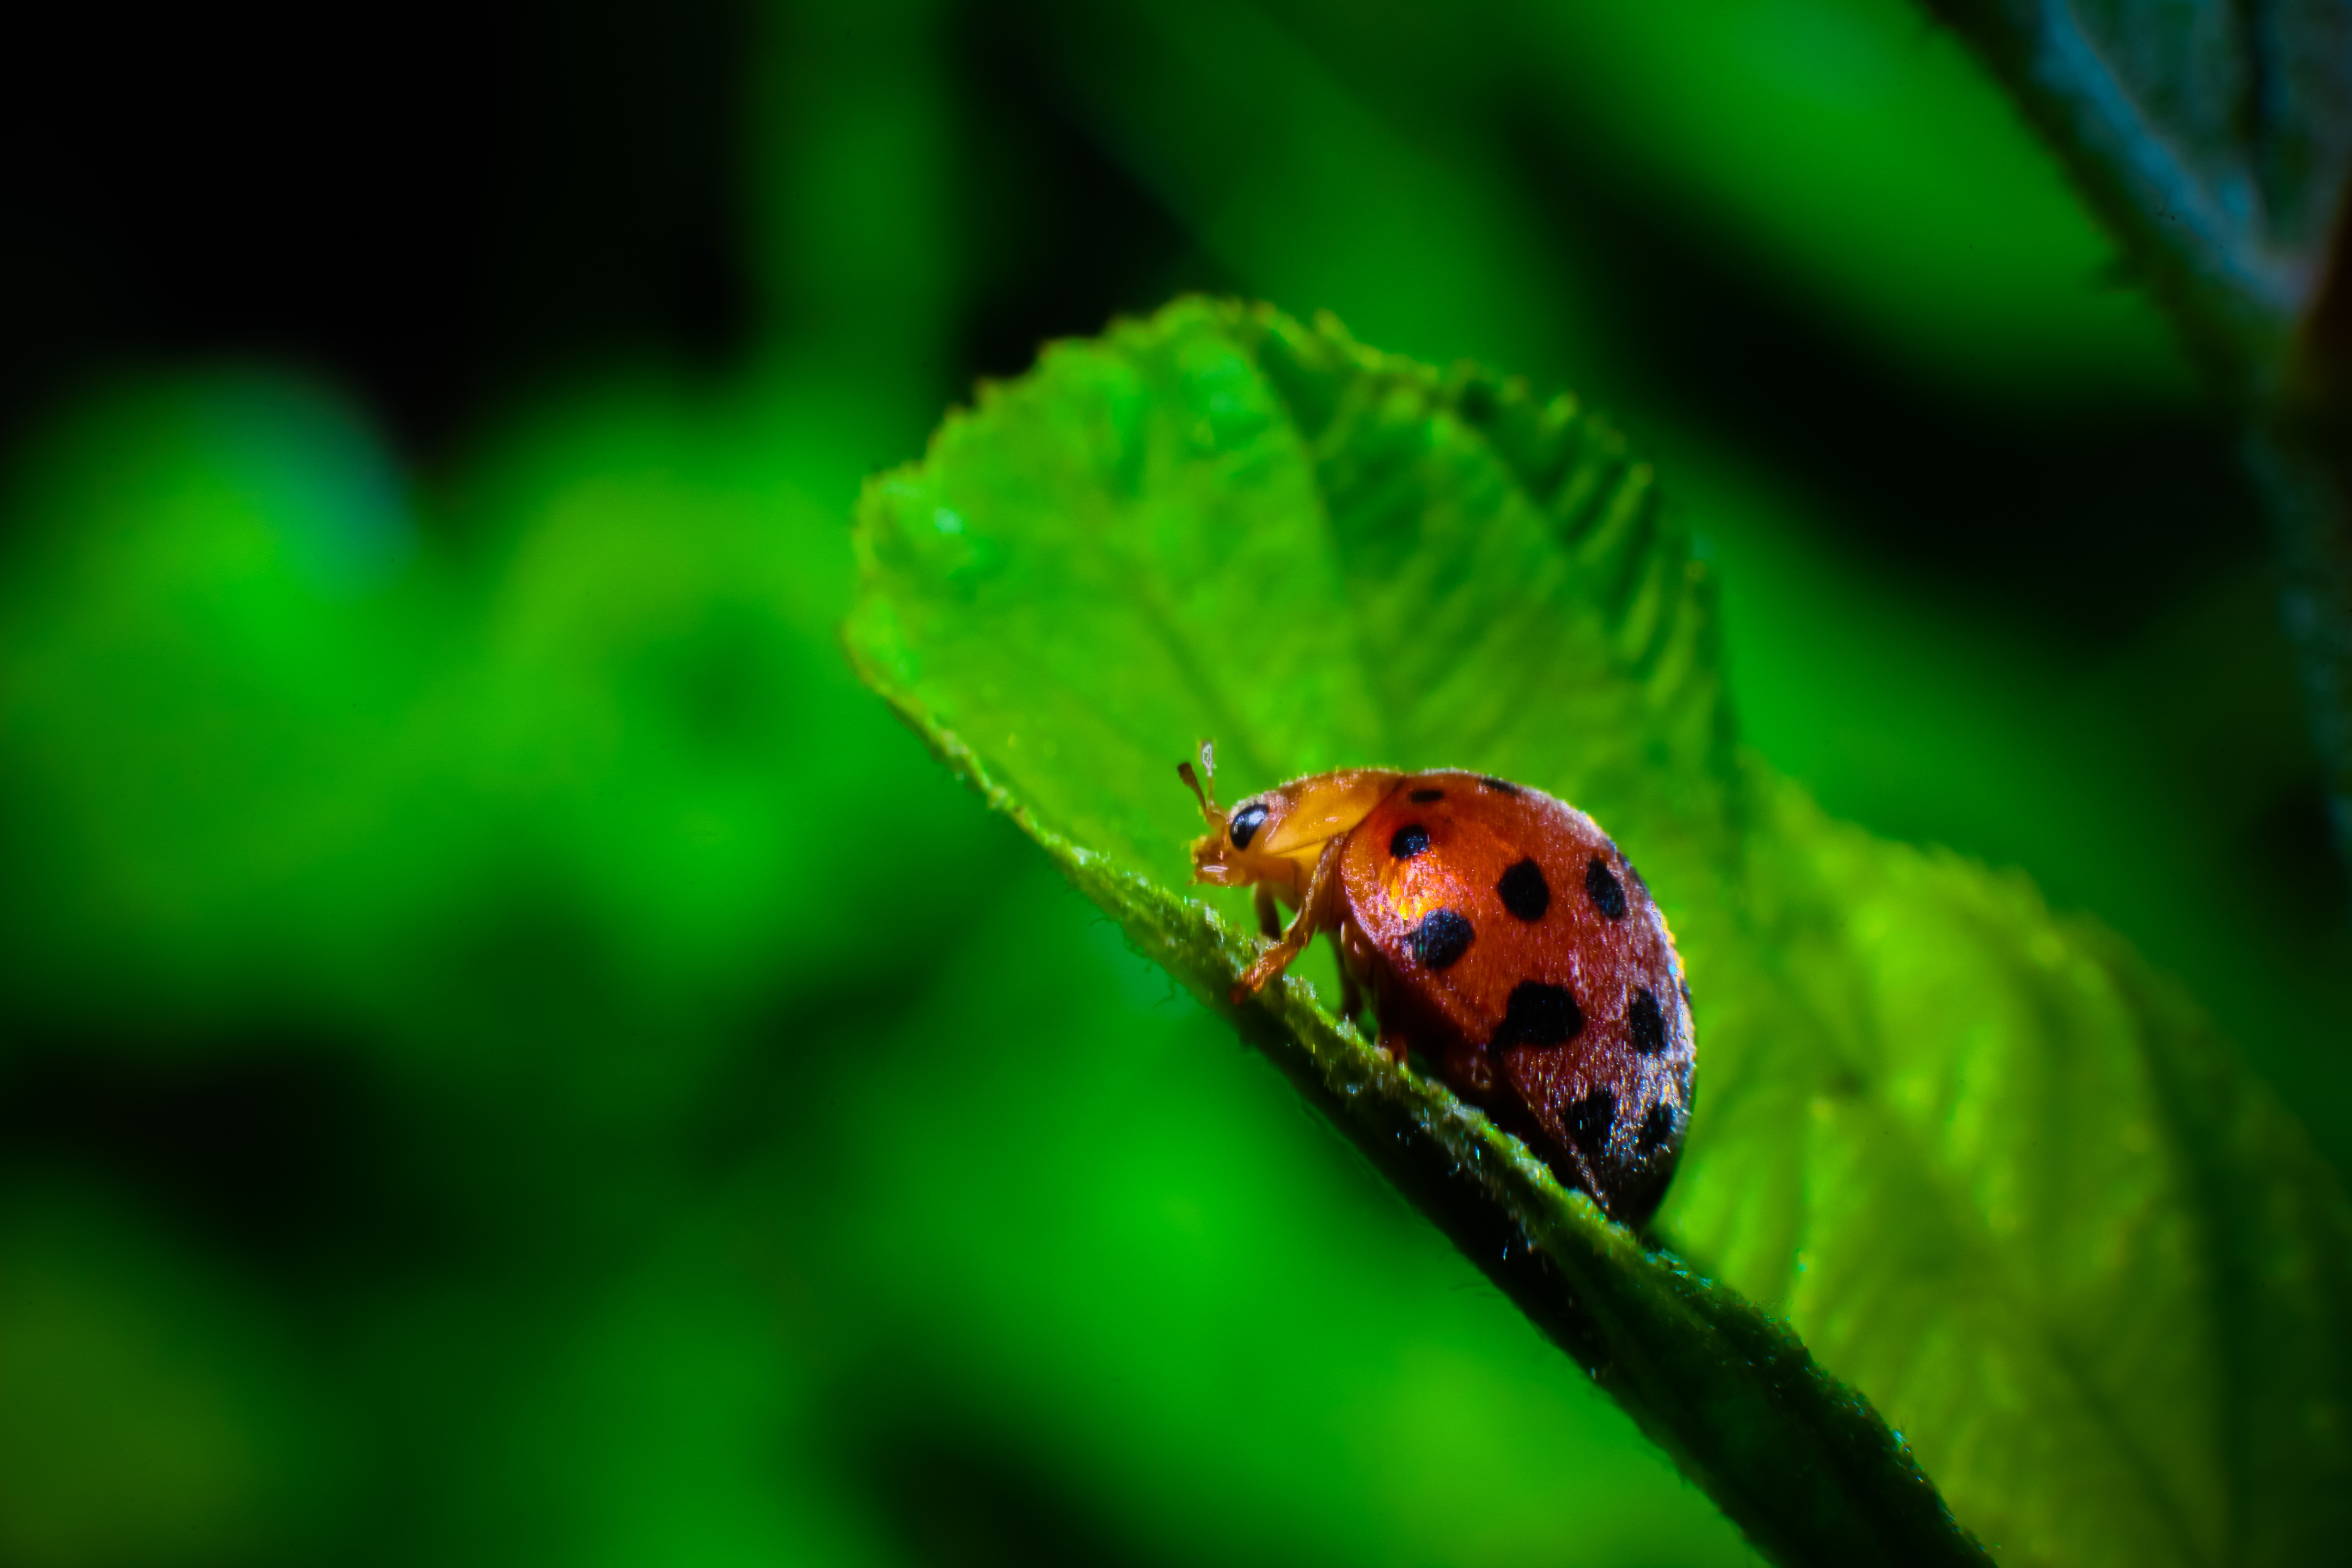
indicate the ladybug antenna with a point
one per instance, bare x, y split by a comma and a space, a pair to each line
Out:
1199, 789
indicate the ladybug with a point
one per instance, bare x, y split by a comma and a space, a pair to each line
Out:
1505, 942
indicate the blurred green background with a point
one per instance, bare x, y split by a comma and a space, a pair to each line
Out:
508, 1055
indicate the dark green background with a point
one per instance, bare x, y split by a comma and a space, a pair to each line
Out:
507, 1054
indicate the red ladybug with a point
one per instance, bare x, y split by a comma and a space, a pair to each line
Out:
1506, 941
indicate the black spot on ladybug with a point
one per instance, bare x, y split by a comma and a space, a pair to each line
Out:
1590, 1119
1500, 786
1539, 1014
1409, 840
1424, 796
1440, 939
1246, 823
1601, 886
1523, 891
1645, 1023
1656, 1128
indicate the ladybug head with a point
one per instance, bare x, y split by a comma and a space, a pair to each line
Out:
1277, 837
1231, 853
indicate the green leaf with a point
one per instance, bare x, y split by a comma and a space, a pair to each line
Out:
1994, 1175
2216, 141
2006, 1182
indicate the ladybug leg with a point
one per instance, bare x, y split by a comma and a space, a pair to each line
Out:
1587, 1180
1314, 911
1470, 1068
1356, 970
1269, 919
1355, 965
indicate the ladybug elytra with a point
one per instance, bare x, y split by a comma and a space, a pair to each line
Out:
1504, 941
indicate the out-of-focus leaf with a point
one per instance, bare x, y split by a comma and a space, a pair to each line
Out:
269, 748
149, 1411
2218, 139
1986, 1166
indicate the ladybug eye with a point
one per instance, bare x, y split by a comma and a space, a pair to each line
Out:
1246, 823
